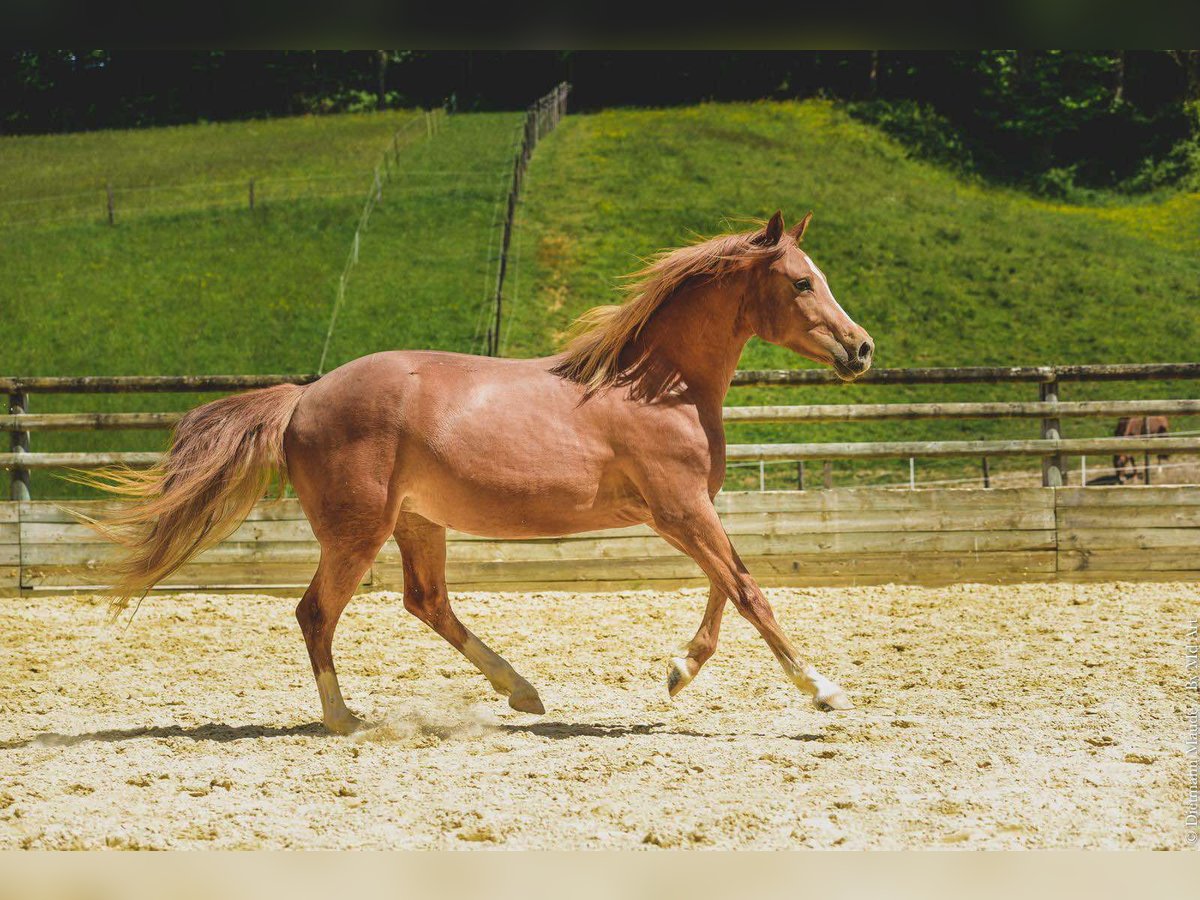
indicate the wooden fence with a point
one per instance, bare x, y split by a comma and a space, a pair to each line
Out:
1052, 447
838, 537
797, 538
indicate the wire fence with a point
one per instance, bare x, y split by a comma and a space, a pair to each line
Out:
540, 120
490, 267
111, 203
388, 164
796, 475
167, 200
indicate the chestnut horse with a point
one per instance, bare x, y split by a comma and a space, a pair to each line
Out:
623, 427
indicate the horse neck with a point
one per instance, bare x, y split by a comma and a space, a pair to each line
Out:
694, 340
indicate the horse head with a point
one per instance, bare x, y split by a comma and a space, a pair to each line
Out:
794, 307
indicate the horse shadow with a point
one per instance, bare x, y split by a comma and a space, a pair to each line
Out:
222, 733
209, 731
569, 730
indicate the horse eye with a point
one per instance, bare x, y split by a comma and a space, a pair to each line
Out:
803, 284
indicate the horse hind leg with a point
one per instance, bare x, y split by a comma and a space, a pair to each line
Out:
423, 551
340, 571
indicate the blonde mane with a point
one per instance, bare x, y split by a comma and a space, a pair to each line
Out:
596, 339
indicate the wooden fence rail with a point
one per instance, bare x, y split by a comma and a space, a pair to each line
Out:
853, 412
976, 374
952, 449
20, 422
755, 452
848, 412
142, 384
89, 421
145, 384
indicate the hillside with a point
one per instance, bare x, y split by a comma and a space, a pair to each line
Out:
940, 270
191, 281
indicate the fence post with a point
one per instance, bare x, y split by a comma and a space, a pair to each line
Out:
536, 126
827, 474
108, 193
1053, 465
800, 475
19, 443
987, 476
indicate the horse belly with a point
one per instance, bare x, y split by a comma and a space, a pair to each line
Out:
544, 493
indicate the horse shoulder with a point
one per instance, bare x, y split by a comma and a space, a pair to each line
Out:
677, 439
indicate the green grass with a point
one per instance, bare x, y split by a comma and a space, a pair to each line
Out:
191, 281
63, 177
941, 271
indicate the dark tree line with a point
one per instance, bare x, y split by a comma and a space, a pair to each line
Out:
1089, 117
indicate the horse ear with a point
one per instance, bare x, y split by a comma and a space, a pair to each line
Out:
797, 231
770, 235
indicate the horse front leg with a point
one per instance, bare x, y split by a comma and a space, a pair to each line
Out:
682, 669
697, 530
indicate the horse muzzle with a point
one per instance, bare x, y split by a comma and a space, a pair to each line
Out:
853, 357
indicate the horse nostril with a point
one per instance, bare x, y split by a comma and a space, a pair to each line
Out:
864, 352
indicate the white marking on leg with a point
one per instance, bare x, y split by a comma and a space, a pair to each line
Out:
493, 666
504, 678
826, 695
680, 673
334, 714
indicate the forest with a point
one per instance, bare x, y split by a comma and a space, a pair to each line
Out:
1062, 123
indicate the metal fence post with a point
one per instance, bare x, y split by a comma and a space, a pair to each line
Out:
1053, 465
18, 404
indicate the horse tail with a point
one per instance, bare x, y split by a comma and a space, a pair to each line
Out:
222, 458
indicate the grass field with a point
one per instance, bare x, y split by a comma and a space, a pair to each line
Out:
191, 281
941, 271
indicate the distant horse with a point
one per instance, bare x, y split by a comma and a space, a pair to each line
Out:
623, 427
1125, 465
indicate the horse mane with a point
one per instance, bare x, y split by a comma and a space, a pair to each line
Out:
595, 341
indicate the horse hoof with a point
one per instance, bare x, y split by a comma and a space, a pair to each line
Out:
345, 724
525, 699
680, 673
832, 699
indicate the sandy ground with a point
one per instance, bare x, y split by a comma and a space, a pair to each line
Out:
1030, 716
